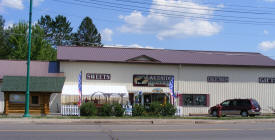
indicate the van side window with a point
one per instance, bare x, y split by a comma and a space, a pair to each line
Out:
234, 103
246, 102
225, 103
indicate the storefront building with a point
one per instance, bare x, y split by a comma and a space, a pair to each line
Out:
132, 75
46, 84
202, 78
41, 89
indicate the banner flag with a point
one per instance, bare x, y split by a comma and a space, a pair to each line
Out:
171, 87
80, 88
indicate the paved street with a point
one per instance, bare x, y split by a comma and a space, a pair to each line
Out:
255, 131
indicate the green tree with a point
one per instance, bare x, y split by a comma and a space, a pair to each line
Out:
87, 34
17, 42
3, 47
58, 31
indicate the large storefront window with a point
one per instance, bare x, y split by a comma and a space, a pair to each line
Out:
194, 99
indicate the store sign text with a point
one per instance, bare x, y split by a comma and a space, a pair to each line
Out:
217, 79
266, 80
152, 80
98, 76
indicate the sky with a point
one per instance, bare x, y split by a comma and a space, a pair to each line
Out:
210, 25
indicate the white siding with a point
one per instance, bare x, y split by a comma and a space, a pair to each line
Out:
243, 81
121, 74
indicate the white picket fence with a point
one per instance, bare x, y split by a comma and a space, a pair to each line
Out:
70, 110
128, 110
73, 110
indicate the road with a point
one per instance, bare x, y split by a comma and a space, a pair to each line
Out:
255, 131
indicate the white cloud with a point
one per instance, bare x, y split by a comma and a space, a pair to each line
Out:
139, 46
185, 19
220, 6
1, 8
266, 32
37, 2
17, 4
107, 34
8, 24
267, 45
189, 28
131, 46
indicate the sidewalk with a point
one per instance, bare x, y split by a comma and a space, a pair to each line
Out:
128, 121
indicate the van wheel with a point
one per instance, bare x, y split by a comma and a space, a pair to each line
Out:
244, 114
214, 113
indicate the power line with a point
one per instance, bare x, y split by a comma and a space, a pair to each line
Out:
184, 12
244, 6
108, 20
190, 12
208, 9
119, 9
209, 3
174, 15
45, 11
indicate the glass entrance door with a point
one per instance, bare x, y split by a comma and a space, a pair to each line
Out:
160, 98
147, 99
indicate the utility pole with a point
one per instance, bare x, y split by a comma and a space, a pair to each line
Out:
27, 97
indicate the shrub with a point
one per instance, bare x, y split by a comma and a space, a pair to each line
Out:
138, 110
154, 109
88, 109
118, 110
168, 110
105, 110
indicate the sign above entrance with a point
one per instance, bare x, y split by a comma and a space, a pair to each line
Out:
152, 80
157, 90
266, 80
98, 76
217, 79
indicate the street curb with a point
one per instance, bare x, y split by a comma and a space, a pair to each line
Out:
127, 121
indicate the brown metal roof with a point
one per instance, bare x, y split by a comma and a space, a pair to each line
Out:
19, 68
163, 56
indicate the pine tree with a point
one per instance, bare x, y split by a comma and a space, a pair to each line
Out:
4, 51
87, 34
58, 31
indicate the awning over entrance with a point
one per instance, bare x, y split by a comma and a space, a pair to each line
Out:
92, 90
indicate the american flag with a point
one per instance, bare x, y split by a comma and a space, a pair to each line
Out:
80, 88
171, 86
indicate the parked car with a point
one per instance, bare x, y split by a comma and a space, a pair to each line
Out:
243, 107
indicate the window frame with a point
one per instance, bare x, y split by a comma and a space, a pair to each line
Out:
181, 96
31, 103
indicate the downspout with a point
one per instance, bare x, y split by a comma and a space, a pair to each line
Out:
178, 82
178, 87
